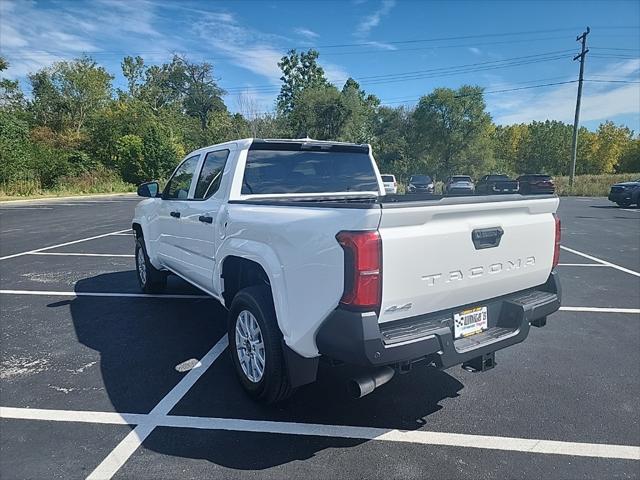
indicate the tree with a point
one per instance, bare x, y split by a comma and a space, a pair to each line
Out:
630, 159
391, 143
197, 87
612, 141
453, 128
319, 113
299, 72
361, 111
546, 148
68, 92
133, 70
131, 158
11, 96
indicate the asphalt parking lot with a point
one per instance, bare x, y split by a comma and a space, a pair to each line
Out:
99, 380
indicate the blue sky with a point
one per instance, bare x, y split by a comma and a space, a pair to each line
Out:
397, 49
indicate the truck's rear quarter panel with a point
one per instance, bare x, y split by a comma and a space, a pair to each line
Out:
305, 261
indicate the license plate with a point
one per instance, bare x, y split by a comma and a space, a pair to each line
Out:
469, 322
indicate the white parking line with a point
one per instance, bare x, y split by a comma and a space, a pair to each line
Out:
67, 254
600, 310
80, 416
99, 294
110, 465
57, 293
63, 244
582, 265
599, 260
146, 424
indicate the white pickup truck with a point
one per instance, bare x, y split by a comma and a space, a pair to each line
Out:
310, 257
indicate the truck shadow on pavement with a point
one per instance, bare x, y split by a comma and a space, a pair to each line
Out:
142, 341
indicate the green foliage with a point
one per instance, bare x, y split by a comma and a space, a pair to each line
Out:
74, 135
630, 159
453, 130
319, 112
14, 146
68, 92
130, 150
300, 71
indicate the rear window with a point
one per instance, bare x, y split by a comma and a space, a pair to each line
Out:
297, 171
498, 177
388, 178
460, 178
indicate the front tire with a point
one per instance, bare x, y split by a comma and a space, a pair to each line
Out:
255, 344
150, 279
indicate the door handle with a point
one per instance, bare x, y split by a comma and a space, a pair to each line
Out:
486, 237
204, 219
175, 214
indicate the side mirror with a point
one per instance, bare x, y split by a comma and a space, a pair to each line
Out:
148, 189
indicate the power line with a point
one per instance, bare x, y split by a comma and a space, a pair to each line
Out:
610, 81
488, 92
438, 39
615, 48
433, 72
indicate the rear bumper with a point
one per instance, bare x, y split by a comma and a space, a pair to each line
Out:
358, 339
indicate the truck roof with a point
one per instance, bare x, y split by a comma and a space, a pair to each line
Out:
247, 142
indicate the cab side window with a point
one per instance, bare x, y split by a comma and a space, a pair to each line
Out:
178, 186
211, 174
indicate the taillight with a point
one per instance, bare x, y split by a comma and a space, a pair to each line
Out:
362, 269
556, 249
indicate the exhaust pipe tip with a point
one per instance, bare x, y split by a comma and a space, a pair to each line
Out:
363, 385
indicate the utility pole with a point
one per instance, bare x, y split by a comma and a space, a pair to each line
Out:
574, 142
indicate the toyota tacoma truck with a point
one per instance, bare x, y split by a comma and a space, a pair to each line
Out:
297, 239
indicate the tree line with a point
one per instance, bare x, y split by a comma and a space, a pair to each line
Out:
75, 123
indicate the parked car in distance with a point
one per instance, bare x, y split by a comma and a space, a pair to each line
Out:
420, 184
390, 184
626, 193
536, 183
459, 185
495, 184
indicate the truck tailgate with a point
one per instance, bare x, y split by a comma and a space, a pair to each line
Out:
433, 260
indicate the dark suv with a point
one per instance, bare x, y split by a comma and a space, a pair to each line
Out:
495, 184
626, 193
536, 183
420, 184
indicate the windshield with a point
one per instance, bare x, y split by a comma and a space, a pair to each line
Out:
294, 171
420, 179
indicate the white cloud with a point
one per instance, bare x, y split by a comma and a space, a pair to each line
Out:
382, 45
335, 74
600, 101
475, 50
33, 35
254, 50
373, 20
305, 32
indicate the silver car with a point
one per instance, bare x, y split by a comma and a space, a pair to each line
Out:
459, 185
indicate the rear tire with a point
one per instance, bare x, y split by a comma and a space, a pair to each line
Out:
150, 279
624, 204
255, 345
